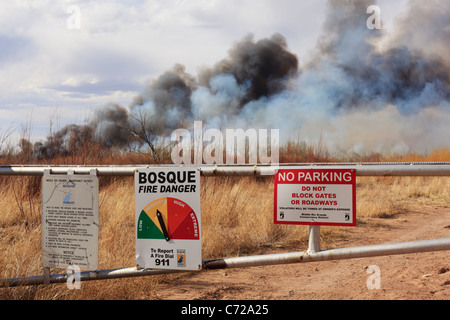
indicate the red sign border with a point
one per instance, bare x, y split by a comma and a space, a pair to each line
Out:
337, 224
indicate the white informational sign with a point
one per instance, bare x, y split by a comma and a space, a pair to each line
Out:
168, 218
70, 221
315, 197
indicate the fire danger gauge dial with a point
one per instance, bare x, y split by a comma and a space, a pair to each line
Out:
169, 219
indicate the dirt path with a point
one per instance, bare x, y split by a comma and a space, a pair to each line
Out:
407, 277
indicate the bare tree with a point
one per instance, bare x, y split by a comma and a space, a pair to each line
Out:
146, 132
4, 136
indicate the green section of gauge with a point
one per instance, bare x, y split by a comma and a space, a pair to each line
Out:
147, 229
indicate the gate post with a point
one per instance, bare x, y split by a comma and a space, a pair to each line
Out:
314, 239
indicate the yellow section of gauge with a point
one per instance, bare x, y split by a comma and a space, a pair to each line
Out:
154, 206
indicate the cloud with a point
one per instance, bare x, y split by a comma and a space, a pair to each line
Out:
15, 48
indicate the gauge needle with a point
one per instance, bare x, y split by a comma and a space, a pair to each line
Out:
163, 226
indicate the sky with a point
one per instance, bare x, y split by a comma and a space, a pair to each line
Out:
61, 60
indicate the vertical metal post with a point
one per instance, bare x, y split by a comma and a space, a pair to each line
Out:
314, 239
46, 275
93, 273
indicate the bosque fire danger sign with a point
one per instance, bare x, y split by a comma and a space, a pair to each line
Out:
315, 197
167, 203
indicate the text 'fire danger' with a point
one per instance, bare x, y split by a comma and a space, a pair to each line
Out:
170, 181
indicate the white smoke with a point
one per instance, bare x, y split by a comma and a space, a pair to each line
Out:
353, 95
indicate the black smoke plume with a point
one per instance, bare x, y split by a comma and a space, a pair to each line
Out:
264, 66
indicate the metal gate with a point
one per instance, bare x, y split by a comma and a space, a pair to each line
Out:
314, 252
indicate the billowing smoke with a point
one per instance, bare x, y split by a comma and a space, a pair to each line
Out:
262, 67
67, 140
166, 102
379, 92
111, 125
362, 90
401, 75
254, 71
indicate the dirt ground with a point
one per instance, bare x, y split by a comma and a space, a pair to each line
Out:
418, 276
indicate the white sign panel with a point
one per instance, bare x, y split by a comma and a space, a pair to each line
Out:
70, 221
168, 218
315, 197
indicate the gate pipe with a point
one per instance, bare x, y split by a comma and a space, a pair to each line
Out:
332, 254
362, 169
250, 261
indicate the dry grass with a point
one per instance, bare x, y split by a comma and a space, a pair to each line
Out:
237, 219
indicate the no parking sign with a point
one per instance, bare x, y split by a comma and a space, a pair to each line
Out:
315, 197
